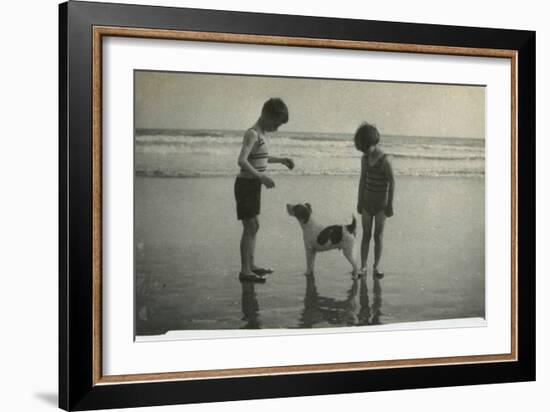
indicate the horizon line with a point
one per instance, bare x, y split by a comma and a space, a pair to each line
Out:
314, 132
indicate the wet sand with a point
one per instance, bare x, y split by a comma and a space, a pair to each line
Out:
187, 256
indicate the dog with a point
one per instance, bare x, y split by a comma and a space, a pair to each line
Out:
319, 238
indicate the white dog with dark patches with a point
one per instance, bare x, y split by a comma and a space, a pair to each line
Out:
318, 238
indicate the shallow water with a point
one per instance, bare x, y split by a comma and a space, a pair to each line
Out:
187, 256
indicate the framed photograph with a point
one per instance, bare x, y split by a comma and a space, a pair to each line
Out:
256, 206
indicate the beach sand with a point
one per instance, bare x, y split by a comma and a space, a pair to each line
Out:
187, 256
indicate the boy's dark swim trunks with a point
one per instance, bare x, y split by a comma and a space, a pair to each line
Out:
248, 197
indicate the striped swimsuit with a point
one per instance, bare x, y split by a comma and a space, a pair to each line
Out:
257, 157
376, 186
248, 188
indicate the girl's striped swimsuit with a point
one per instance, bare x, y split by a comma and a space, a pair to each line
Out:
376, 186
258, 156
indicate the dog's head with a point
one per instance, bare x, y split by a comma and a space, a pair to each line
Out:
302, 212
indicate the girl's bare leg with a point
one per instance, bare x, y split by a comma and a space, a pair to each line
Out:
365, 242
379, 222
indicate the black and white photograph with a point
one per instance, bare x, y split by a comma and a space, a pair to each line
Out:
289, 203
240, 206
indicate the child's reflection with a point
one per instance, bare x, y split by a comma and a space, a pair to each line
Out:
377, 302
319, 309
250, 306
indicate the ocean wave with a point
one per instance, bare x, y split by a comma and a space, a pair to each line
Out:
211, 153
301, 147
152, 139
462, 156
179, 132
296, 152
212, 138
216, 173
182, 134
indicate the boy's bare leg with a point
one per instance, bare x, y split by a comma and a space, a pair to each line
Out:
365, 242
252, 264
248, 243
379, 222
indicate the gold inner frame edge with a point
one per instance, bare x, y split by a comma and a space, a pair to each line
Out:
101, 31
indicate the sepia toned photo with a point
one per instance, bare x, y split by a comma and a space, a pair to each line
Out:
299, 204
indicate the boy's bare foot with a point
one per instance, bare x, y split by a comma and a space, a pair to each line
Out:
262, 271
243, 277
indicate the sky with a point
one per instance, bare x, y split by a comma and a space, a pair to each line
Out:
174, 100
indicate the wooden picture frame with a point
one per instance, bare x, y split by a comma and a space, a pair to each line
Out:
83, 26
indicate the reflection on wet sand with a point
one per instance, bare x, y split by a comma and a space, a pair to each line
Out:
186, 276
377, 302
318, 308
250, 306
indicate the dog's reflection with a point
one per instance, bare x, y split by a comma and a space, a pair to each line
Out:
250, 306
318, 309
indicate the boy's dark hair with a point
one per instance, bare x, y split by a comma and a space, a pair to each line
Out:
367, 135
275, 109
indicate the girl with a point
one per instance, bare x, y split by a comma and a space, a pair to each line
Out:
375, 197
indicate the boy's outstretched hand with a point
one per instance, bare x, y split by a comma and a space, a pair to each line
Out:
267, 181
289, 163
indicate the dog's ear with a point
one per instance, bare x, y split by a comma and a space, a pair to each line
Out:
309, 207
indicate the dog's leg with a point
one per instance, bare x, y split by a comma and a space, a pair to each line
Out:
348, 253
310, 261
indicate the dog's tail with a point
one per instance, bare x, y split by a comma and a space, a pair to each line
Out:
351, 227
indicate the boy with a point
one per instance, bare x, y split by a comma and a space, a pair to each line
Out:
253, 160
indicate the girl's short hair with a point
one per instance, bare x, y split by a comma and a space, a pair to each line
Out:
367, 135
275, 109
